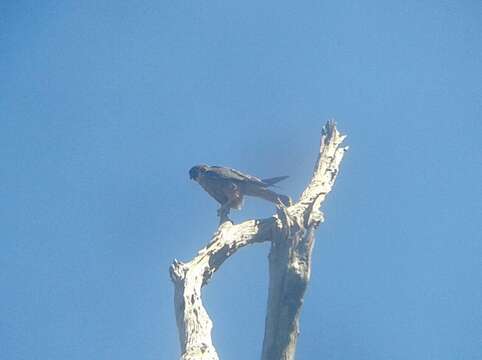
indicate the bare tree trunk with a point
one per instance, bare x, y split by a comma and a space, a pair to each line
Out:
291, 233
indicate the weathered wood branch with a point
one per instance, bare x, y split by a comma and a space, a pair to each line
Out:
193, 322
291, 248
291, 232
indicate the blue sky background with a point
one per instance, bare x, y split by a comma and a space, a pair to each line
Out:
105, 105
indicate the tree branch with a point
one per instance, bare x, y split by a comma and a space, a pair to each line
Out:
291, 249
193, 322
291, 232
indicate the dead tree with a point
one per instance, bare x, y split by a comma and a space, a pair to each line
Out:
291, 233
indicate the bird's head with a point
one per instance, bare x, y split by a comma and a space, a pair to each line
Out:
196, 171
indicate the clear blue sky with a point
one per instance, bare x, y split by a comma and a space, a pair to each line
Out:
105, 105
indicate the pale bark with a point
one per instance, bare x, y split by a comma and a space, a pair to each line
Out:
291, 248
291, 232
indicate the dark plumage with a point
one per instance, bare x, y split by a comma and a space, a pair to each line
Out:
229, 186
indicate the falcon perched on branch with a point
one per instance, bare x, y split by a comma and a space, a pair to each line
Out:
228, 186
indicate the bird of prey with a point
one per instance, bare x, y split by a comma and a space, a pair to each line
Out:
229, 186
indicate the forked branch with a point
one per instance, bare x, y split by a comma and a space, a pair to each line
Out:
291, 233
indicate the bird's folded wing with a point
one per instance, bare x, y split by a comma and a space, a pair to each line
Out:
233, 174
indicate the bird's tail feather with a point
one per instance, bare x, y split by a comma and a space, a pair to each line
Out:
269, 195
274, 180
